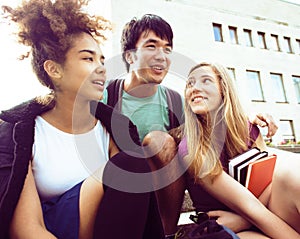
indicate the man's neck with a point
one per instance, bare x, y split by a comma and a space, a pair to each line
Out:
138, 88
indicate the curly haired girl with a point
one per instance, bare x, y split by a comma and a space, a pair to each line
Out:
55, 151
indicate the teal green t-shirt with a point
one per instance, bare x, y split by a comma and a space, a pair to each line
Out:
148, 114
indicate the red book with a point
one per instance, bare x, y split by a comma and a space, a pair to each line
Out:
259, 174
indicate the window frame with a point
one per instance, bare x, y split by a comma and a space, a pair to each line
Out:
233, 35
287, 45
280, 84
218, 33
298, 45
231, 72
248, 37
262, 40
258, 83
275, 42
287, 136
296, 81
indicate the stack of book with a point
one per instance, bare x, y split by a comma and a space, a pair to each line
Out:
253, 169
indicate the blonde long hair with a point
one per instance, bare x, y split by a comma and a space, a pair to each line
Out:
207, 137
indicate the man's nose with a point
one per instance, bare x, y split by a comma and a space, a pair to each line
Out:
160, 53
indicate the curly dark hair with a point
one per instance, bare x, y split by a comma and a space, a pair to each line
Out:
48, 27
133, 30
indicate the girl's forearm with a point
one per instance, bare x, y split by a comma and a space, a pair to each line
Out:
31, 233
240, 200
270, 224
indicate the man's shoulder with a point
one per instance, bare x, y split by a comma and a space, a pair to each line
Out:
172, 96
175, 105
170, 91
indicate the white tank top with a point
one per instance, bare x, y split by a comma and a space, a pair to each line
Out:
61, 160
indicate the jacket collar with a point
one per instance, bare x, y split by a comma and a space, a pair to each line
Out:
27, 110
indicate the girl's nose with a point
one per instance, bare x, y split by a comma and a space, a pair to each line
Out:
197, 85
101, 69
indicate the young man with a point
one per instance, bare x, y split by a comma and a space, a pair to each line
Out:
147, 45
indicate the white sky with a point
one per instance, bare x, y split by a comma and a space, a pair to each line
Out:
17, 82
292, 1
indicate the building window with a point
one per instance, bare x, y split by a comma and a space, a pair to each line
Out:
248, 37
274, 42
233, 35
262, 40
255, 88
231, 72
298, 45
218, 32
296, 80
286, 130
287, 45
278, 91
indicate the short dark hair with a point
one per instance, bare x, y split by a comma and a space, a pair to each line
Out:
133, 30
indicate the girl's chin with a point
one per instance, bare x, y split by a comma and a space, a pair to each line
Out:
200, 111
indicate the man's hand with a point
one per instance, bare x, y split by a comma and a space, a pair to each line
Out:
231, 220
264, 120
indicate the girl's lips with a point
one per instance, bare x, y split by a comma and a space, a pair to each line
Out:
198, 99
99, 82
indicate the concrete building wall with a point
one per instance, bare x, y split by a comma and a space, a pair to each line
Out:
192, 22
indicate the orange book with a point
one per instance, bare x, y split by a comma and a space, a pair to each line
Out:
259, 174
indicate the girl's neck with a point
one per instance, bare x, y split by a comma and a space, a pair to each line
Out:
74, 119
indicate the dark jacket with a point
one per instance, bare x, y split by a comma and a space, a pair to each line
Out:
17, 138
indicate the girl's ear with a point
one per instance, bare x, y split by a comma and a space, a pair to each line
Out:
53, 69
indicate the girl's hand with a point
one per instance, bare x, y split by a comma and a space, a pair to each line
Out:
231, 220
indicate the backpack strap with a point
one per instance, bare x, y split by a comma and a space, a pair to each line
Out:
174, 101
114, 93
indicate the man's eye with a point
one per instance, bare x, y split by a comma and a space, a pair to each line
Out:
150, 46
168, 50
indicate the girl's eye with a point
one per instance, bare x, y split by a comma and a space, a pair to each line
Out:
206, 80
190, 83
88, 58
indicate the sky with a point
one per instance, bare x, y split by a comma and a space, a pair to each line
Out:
292, 1
17, 82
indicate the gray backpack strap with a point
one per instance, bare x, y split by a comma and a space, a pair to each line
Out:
114, 92
174, 101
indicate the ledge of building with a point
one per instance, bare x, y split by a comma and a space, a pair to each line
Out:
294, 148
